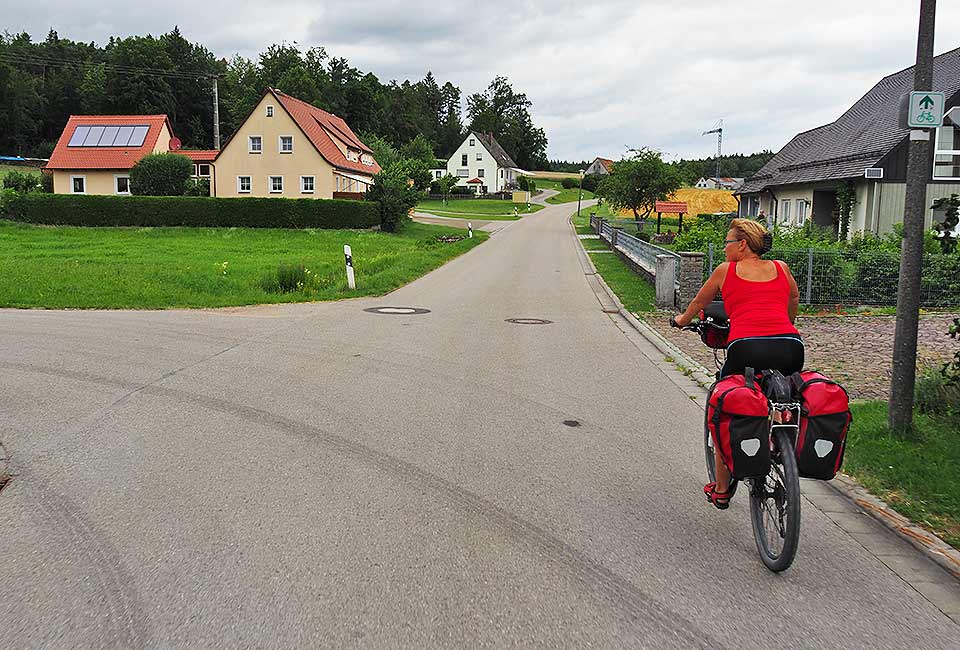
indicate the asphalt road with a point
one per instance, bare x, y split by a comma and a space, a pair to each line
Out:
315, 475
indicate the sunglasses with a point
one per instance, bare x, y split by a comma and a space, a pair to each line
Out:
730, 241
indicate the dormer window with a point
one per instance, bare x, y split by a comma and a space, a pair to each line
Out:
472, 142
269, 111
352, 155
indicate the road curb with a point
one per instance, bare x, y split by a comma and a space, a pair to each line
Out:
930, 545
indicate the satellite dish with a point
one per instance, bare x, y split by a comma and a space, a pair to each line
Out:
175, 144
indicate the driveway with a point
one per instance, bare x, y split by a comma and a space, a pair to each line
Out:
317, 475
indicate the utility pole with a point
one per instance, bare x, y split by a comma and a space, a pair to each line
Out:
904, 373
216, 115
719, 131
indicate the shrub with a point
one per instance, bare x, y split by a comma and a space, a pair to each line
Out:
591, 181
935, 395
461, 190
644, 236
46, 182
22, 182
664, 238
197, 187
160, 174
200, 211
395, 196
569, 183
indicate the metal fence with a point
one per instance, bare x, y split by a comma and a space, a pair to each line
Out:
861, 277
643, 253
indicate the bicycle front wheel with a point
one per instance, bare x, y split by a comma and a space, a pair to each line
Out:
775, 508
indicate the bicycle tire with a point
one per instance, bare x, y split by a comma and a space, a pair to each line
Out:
785, 473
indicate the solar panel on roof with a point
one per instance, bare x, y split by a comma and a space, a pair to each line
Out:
139, 134
109, 133
76, 140
93, 137
109, 136
123, 136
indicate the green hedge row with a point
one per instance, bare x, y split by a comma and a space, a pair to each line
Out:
202, 211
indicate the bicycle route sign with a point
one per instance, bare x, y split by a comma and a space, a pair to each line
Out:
925, 110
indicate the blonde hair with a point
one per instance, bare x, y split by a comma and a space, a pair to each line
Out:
753, 233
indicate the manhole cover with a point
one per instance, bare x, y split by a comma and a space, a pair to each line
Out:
397, 311
529, 321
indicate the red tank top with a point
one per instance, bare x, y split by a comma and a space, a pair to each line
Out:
757, 308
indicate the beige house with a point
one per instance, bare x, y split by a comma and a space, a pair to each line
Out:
287, 147
96, 152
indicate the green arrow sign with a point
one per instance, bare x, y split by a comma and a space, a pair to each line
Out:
926, 102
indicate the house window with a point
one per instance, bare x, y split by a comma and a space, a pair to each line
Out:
121, 184
306, 184
501, 172
479, 173
472, 142
276, 184
203, 171
463, 160
946, 159
286, 144
753, 206
243, 184
367, 160
352, 155
78, 184
479, 156
254, 144
463, 173
269, 111
785, 211
801, 211
439, 173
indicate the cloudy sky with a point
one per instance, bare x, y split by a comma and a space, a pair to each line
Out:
603, 75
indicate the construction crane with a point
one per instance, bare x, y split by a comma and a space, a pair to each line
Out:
718, 129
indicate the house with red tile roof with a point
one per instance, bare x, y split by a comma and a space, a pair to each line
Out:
287, 147
602, 166
95, 153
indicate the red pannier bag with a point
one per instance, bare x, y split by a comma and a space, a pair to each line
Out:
824, 421
738, 418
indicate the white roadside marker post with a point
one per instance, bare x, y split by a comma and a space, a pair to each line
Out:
469, 229
348, 255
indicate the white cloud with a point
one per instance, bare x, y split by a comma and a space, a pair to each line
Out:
601, 75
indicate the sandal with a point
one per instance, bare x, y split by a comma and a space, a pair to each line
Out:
720, 500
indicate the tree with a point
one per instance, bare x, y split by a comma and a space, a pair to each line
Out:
384, 153
446, 183
161, 174
505, 113
418, 149
395, 195
638, 182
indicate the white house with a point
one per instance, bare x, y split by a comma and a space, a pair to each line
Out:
480, 162
725, 183
600, 166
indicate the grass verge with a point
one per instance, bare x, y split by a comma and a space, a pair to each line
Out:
157, 268
918, 478
476, 208
634, 292
568, 196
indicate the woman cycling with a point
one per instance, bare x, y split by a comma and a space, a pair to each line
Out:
761, 300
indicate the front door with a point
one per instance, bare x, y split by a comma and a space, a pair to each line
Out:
824, 209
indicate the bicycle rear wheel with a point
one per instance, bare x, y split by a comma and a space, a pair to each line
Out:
775, 508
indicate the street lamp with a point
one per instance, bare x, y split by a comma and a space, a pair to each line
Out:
580, 193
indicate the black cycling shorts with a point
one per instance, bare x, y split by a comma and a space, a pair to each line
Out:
783, 352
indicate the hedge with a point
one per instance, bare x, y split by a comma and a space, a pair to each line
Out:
202, 211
